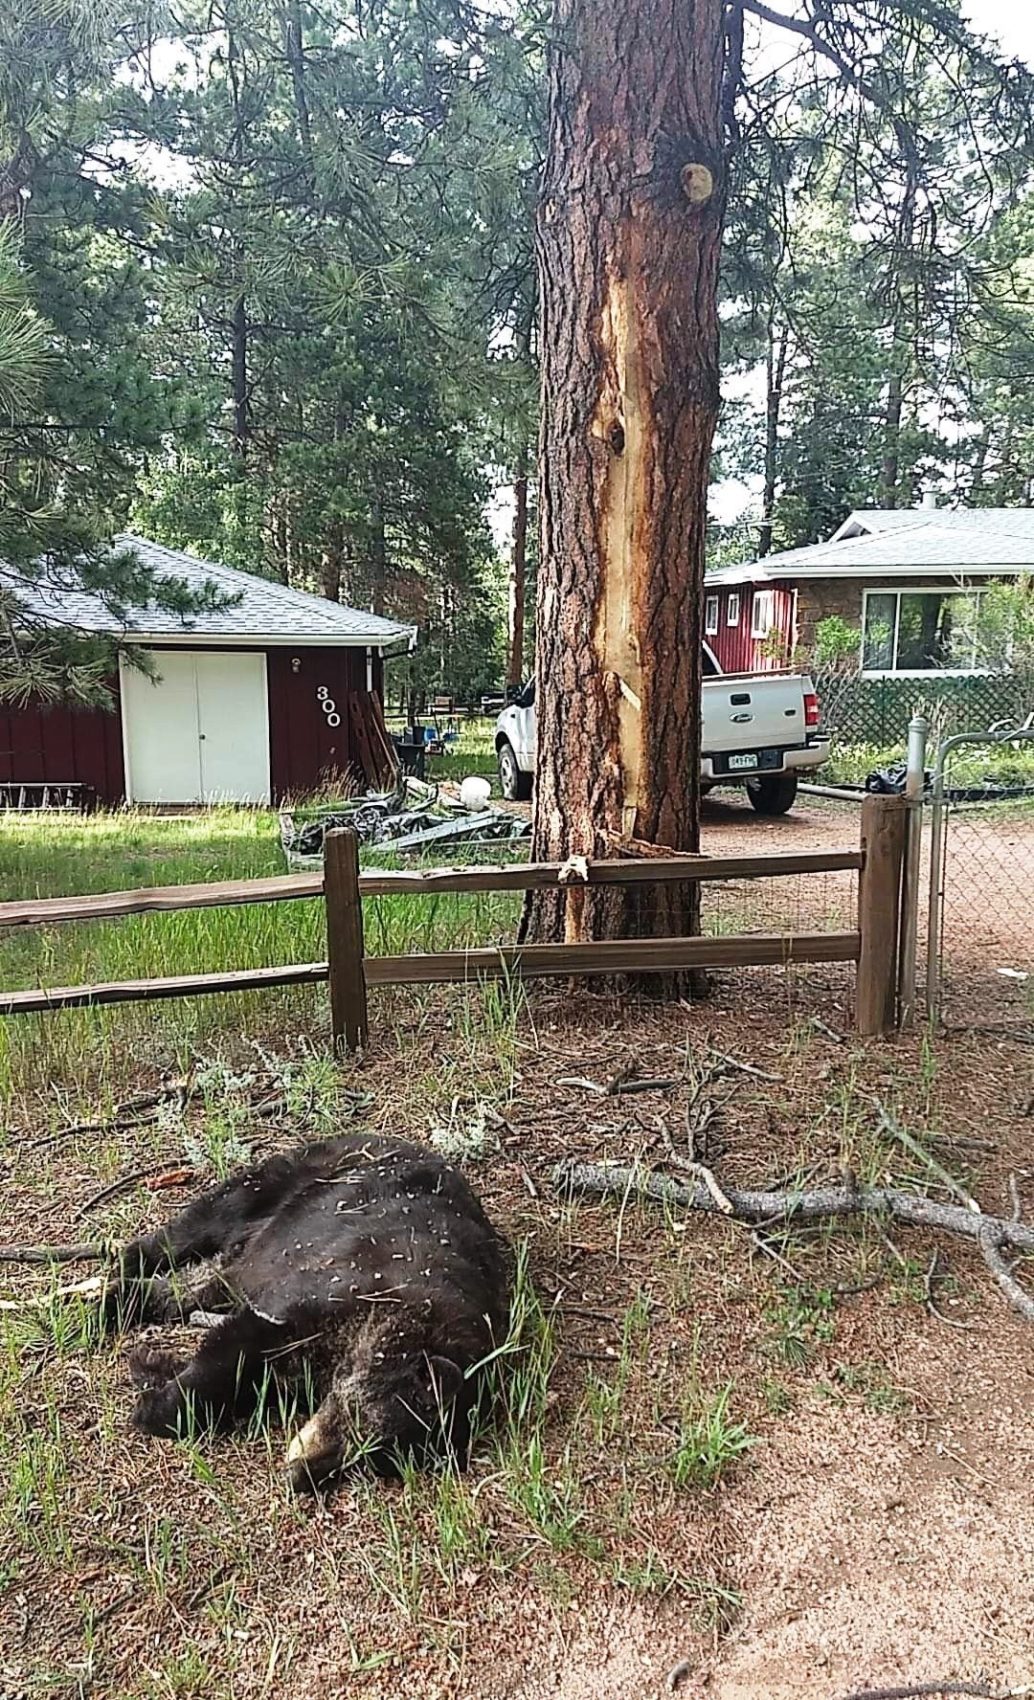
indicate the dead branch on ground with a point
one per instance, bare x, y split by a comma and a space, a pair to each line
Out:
53, 1253
981, 1690
994, 1235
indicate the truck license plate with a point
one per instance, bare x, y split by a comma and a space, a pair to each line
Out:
738, 763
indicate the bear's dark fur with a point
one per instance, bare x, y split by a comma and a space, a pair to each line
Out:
359, 1276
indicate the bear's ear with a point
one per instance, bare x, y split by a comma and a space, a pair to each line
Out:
444, 1377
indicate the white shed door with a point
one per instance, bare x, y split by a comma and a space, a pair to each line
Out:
199, 732
233, 715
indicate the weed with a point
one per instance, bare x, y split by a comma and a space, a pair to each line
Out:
708, 1441
801, 1319
603, 1398
645, 1573
871, 1382
392, 1562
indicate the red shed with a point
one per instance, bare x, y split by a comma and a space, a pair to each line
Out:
749, 627
265, 699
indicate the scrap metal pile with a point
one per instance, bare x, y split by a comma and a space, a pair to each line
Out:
414, 816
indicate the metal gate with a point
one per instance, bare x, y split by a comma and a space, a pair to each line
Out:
980, 923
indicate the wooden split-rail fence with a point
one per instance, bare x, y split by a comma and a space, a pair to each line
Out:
874, 945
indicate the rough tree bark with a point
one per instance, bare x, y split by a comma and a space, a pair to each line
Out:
518, 566
775, 372
628, 238
377, 560
891, 442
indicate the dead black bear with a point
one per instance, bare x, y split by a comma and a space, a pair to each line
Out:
359, 1276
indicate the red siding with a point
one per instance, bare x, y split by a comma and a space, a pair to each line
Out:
305, 749
735, 649
64, 745
84, 746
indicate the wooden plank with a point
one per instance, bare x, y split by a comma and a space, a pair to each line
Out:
348, 1016
524, 876
884, 824
148, 991
108, 905
613, 956
534, 876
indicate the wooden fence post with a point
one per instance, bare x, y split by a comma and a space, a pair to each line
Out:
884, 828
348, 1020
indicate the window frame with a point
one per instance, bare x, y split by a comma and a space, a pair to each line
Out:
763, 598
898, 591
733, 604
712, 601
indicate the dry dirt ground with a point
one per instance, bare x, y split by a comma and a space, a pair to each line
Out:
878, 1529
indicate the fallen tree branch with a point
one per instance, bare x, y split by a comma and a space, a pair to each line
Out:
123, 1184
53, 1253
931, 1298
982, 1691
91, 1288
739, 1067
1003, 1276
992, 1233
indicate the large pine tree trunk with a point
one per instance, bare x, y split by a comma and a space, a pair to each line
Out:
629, 232
891, 442
775, 370
518, 569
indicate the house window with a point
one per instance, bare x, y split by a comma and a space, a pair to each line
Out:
922, 631
732, 611
762, 613
711, 615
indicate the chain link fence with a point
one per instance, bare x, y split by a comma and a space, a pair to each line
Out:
980, 924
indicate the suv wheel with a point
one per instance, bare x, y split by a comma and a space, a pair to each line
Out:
515, 785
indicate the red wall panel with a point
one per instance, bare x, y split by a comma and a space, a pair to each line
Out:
306, 748
64, 745
736, 650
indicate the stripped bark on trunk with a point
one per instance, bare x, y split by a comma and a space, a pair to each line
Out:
628, 236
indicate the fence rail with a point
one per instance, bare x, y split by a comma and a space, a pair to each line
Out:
873, 945
390, 882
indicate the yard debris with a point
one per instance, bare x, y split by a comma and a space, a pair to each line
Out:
993, 1234
91, 1288
410, 817
932, 1275
53, 1253
981, 1690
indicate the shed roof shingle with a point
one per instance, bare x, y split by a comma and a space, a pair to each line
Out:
264, 610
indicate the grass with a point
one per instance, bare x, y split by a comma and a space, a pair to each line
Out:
1005, 764
66, 855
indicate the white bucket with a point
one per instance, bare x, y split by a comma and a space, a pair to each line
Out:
474, 793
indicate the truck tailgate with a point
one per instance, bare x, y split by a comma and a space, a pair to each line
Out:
753, 713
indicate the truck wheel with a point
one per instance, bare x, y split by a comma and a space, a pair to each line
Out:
774, 796
515, 785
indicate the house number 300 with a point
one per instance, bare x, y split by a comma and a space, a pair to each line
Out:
328, 705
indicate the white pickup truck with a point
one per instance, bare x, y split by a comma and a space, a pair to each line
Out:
759, 730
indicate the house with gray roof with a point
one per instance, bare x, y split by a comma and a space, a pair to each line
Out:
910, 580
271, 695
